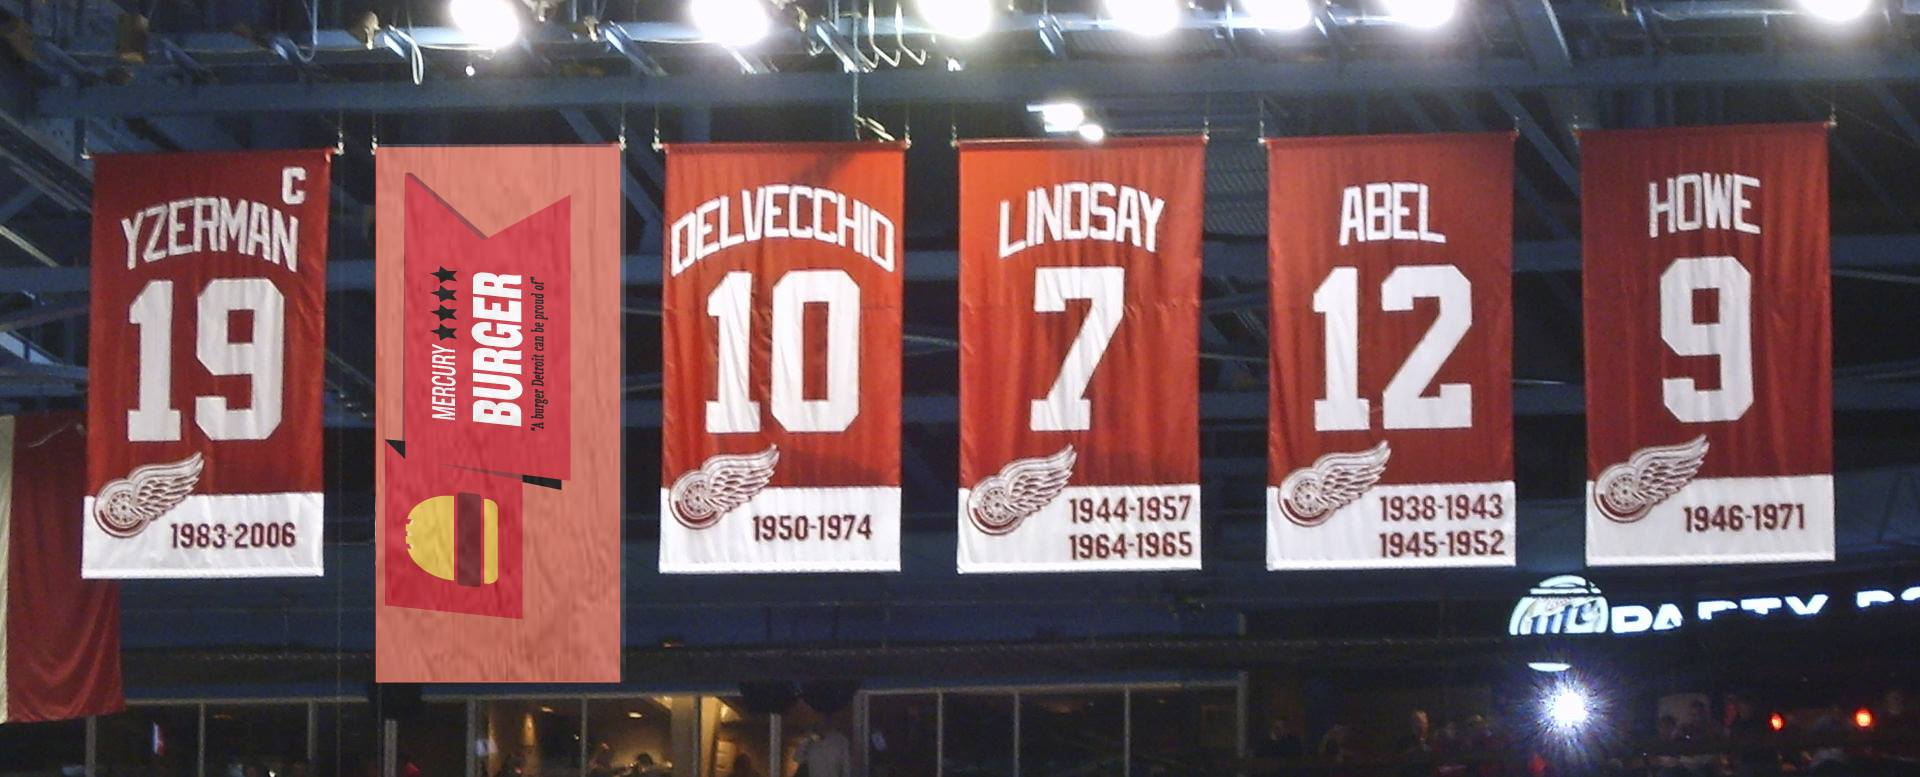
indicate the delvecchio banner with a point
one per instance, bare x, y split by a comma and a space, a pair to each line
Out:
208, 344
782, 327
1079, 355
498, 352
1709, 345
1391, 440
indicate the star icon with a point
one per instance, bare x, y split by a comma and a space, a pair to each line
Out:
445, 275
444, 313
444, 332
445, 295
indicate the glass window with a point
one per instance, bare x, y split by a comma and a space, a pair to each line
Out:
733, 741
434, 739
250, 740
979, 735
43, 748
535, 738
348, 744
1080, 733
149, 740
1181, 732
902, 734
630, 737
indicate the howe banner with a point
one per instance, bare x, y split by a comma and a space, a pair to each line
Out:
1709, 358
498, 280
207, 348
1079, 355
781, 411
1391, 268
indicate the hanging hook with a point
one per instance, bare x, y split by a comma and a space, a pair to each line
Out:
373, 135
657, 145
86, 154
623, 126
906, 121
339, 134
953, 128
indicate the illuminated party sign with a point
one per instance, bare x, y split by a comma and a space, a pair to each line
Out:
1570, 604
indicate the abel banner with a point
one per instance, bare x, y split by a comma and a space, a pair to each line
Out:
498, 275
1709, 360
1079, 355
781, 409
208, 338
1391, 440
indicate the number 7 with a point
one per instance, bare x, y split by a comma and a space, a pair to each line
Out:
1066, 407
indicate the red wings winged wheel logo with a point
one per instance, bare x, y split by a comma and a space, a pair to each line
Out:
700, 498
1625, 492
124, 507
1312, 494
1001, 501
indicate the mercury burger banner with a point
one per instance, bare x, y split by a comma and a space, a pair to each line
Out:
1708, 338
781, 410
1391, 267
1079, 355
207, 347
498, 549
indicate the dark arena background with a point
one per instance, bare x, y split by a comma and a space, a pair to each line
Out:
1543, 666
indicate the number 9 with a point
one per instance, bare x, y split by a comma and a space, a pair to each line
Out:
1730, 337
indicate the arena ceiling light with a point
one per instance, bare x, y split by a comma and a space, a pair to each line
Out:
960, 19
1568, 708
731, 23
488, 24
1092, 133
1060, 117
1279, 14
1422, 13
1836, 10
1147, 18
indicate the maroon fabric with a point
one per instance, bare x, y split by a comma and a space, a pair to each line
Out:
63, 633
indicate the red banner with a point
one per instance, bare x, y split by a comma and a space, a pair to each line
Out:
207, 350
1709, 357
1391, 268
1079, 361
486, 330
59, 634
498, 275
781, 410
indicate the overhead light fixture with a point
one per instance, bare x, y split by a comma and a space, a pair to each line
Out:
1279, 14
1568, 708
634, 715
488, 24
1549, 667
731, 23
961, 19
1060, 117
130, 38
1836, 10
1092, 133
1422, 13
1148, 18
1776, 721
1863, 718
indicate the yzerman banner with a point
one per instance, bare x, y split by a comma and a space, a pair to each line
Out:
207, 348
781, 409
1391, 266
1709, 364
498, 275
1079, 355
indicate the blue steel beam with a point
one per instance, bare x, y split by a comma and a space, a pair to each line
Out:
1086, 80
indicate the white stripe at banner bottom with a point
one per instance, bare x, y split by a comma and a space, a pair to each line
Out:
1721, 521
1400, 527
1091, 529
214, 535
834, 529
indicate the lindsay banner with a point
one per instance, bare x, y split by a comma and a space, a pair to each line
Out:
208, 339
498, 274
1391, 441
1709, 364
1079, 355
781, 409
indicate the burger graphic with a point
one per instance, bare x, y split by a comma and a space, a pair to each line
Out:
456, 538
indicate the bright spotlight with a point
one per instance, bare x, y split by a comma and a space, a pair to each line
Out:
1058, 117
489, 24
1568, 708
1549, 667
1837, 10
1148, 18
1422, 13
1279, 14
1863, 718
731, 23
1776, 721
1092, 133
962, 19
